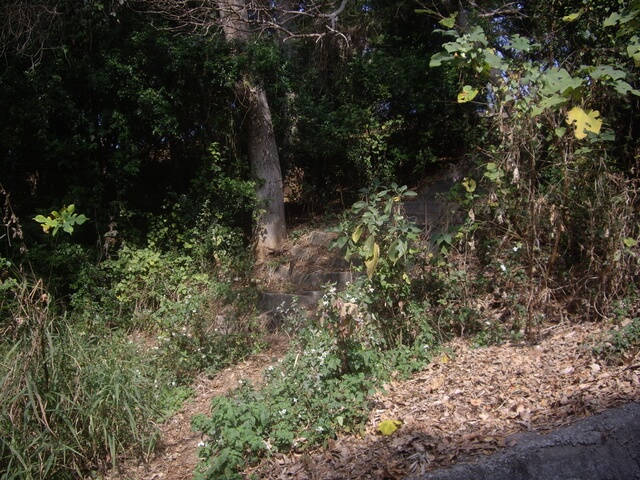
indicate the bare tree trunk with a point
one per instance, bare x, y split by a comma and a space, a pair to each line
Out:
271, 230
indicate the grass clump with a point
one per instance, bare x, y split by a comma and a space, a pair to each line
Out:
68, 400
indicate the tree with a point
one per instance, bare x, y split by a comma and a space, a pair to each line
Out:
241, 21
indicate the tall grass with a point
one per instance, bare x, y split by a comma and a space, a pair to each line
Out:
68, 400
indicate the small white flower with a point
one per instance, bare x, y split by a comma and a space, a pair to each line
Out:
503, 268
295, 400
202, 444
515, 249
283, 412
319, 429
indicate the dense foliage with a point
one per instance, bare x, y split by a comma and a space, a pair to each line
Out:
129, 207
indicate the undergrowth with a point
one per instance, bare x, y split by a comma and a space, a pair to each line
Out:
306, 400
69, 400
85, 380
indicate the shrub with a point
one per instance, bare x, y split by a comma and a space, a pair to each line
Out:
381, 242
307, 398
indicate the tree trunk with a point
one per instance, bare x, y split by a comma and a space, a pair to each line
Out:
271, 231
270, 228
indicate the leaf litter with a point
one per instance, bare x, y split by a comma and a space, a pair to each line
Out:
466, 403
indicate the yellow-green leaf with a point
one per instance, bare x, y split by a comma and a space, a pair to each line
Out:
372, 262
450, 21
388, 427
573, 17
584, 121
357, 233
467, 94
469, 184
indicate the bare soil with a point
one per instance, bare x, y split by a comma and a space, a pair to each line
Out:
464, 404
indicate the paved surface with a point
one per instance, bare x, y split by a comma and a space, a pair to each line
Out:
602, 447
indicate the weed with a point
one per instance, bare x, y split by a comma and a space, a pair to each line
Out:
69, 400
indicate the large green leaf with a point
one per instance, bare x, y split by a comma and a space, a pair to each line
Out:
439, 58
558, 80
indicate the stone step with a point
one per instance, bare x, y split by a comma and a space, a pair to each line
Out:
272, 302
316, 280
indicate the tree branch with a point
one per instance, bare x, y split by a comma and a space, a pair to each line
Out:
25, 28
262, 16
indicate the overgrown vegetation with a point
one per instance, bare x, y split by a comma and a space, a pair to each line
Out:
129, 208
85, 382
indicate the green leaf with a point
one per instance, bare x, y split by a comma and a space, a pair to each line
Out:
426, 10
573, 16
439, 58
467, 94
584, 121
558, 80
553, 102
606, 72
520, 44
629, 242
397, 250
450, 21
623, 88
613, 20
493, 60
633, 50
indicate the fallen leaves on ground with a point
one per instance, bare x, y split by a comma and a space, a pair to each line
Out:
468, 403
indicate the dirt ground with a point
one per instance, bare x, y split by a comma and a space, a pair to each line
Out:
464, 404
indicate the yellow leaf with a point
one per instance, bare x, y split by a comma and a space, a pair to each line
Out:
388, 427
372, 262
584, 121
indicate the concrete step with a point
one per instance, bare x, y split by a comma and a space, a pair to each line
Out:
272, 302
316, 280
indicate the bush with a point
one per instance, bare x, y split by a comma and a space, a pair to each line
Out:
380, 242
194, 321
